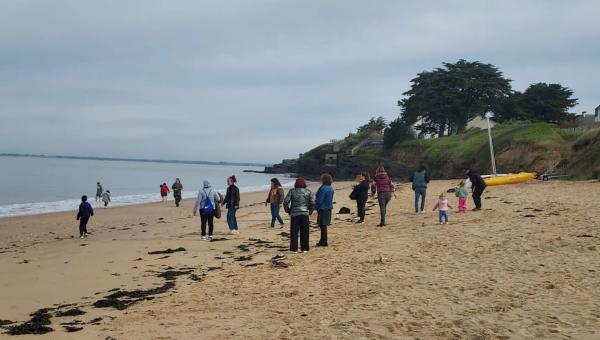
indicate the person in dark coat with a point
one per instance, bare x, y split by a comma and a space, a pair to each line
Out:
177, 188
360, 193
83, 215
232, 202
419, 180
477, 185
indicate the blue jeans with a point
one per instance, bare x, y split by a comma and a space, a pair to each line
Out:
231, 220
443, 216
420, 192
275, 215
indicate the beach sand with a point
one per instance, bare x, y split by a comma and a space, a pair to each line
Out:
525, 267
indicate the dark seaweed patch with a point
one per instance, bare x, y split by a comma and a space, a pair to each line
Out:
172, 274
71, 329
123, 299
70, 312
243, 258
166, 251
38, 324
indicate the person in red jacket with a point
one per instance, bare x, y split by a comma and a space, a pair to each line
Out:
164, 192
385, 189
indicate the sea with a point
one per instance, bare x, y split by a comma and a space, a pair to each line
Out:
33, 185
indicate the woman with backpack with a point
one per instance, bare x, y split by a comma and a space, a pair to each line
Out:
299, 203
206, 203
360, 194
232, 202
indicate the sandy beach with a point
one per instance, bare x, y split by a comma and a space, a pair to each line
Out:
524, 267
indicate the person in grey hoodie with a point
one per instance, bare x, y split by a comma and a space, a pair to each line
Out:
206, 208
300, 204
419, 184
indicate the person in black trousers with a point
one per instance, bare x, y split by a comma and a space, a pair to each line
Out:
300, 204
360, 193
84, 214
477, 185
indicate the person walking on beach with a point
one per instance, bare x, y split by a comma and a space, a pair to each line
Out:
419, 185
385, 189
324, 206
442, 205
462, 193
360, 194
299, 203
177, 188
106, 198
477, 185
83, 216
232, 203
275, 199
206, 201
98, 191
164, 192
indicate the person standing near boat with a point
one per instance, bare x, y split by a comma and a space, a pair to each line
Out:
385, 189
299, 203
98, 191
419, 185
232, 202
177, 188
360, 194
324, 206
477, 185
275, 200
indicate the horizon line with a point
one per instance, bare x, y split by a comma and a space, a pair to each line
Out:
143, 160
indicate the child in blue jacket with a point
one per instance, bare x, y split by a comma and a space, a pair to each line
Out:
84, 214
324, 206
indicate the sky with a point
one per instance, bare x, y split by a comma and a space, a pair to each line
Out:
260, 80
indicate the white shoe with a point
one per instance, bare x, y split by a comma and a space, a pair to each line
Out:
81, 236
203, 238
210, 238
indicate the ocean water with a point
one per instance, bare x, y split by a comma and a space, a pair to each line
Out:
40, 185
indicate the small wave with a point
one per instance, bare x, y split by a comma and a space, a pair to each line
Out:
35, 208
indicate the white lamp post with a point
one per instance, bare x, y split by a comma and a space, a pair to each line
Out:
489, 115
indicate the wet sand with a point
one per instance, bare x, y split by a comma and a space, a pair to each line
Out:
524, 267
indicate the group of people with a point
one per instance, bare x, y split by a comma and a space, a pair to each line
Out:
300, 203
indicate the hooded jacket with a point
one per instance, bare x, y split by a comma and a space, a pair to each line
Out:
383, 183
85, 210
207, 192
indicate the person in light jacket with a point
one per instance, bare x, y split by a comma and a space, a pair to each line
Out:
300, 204
324, 206
206, 203
275, 200
106, 198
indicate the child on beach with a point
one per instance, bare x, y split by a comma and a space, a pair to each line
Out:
106, 198
462, 193
442, 205
164, 192
85, 211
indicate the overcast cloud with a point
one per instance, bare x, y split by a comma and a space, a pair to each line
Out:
258, 80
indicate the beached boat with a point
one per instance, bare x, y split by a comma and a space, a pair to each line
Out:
509, 178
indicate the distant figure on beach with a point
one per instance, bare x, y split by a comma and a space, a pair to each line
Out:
177, 188
385, 189
419, 185
83, 215
206, 203
106, 198
232, 203
164, 192
462, 193
442, 206
98, 191
275, 200
324, 206
477, 185
360, 194
299, 203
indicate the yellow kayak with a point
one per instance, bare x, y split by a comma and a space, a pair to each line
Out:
510, 178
